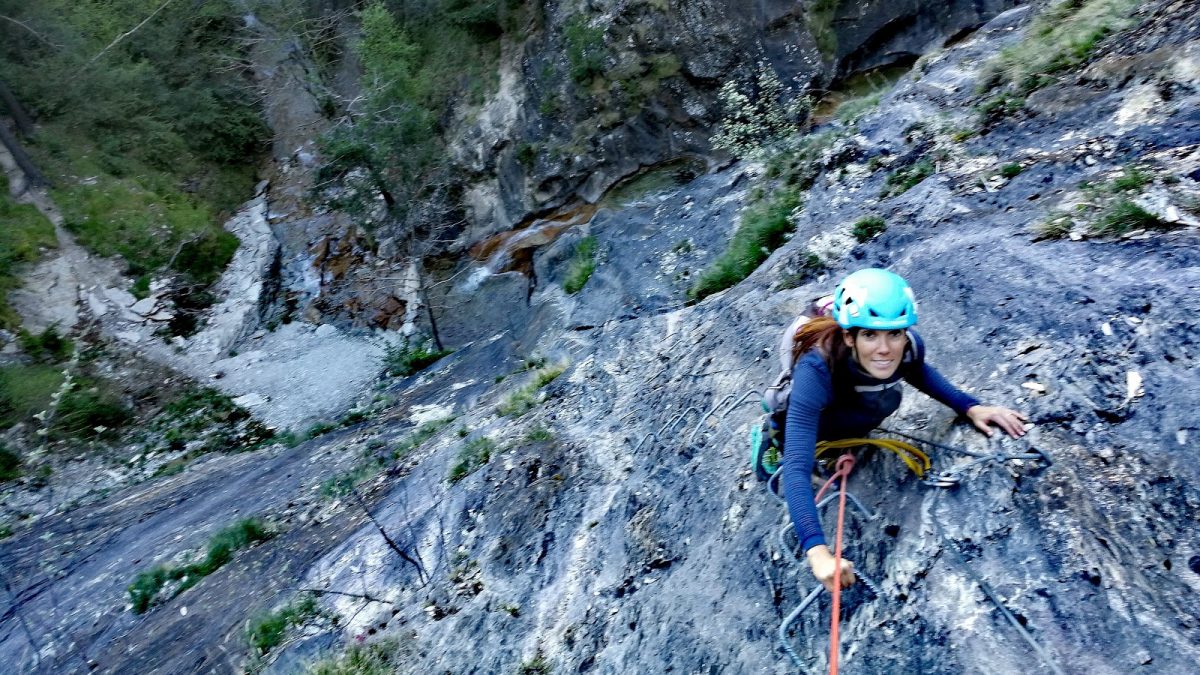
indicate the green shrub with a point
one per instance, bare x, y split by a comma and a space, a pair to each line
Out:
26, 391
1062, 37
402, 360
24, 233
10, 464
524, 399
146, 586
585, 49
539, 434
819, 18
90, 409
49, 347
868, 227
1131, 178
1125, 216
1000, 106
266, 631
319, 429
764, 228
377, 658
473, 454
582, 265
850, 110
901, 181
1012, 170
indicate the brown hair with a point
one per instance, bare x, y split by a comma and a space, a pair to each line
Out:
823, 334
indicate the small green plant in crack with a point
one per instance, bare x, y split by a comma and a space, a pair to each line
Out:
809, 266
147, 586
473, 454
1131, 178
267, 631
525, 398
581, 267
901, 181
1056, 226
868, 227
1124, 216
538, 665
1011, 170
539, 434
402, 360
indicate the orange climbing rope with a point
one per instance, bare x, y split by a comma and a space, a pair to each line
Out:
845, 465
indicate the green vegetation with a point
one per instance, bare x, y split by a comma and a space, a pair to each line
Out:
849, 111
5, 531
150, 136
748, 126
902, 180
1131, 178
402, 360
821, 14
342, 484
418, 65
538, 665
266, 631
89, 409
49, 347
25, 232
1057, 226
1000, 106
1125, 216
524, 399
581, 266
586, 52
1060, 38
764, 228
145, 589
473, 454
866, 228
26, 390
1012, 170
319, 429
809, 266
377, 658
10, 464
539, 434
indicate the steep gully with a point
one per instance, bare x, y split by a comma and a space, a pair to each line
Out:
664, 559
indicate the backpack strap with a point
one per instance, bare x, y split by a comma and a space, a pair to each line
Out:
915, 353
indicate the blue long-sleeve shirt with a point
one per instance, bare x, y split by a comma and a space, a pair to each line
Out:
823, 408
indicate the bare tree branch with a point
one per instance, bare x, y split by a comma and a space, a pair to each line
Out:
32, 31
131, 31
391, 542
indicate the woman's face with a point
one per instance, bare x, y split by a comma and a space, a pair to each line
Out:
879, 352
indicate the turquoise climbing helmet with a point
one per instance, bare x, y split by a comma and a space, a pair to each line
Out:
876, 299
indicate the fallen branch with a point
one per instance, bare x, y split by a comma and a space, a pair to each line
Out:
360, 596
391, 542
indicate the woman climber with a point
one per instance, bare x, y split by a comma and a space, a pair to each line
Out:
846, 381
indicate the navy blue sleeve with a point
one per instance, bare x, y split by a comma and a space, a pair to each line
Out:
924, 377
812, 391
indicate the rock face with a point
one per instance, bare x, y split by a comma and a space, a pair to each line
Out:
615, 526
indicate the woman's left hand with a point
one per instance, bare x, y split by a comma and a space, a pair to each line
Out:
1009, 421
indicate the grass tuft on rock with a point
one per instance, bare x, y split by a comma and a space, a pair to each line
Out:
473, 454
764, 228
581, 267
1124, 216
23, 236
267, 631
866, 228
408, 359
147, 586
902, 180
384, 657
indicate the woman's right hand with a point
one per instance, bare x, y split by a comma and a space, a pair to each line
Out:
824, 567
